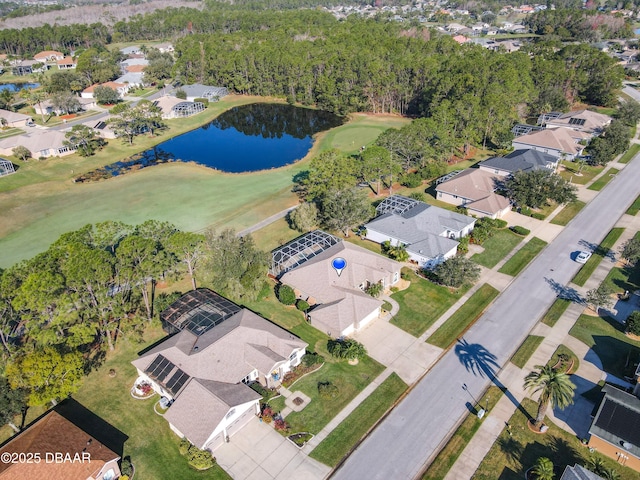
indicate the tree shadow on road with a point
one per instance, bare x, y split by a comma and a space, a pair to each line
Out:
564, 291
481, 362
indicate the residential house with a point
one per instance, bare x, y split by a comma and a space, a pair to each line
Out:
615, 430
121, 88
475, 189
126, 65
41, 143
165, 47
428, 232
197, 90
135, 68
454, 27
15, 119
519, 161
558, 142
339, 303
67, 63
46, 107
173, 107
27, 67
101, 127
581, 120
48, 56
203, 369
86, 457
460, 39
578, 472
133, 50
132, 79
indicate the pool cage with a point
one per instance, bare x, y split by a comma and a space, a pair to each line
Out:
295, 253
6, 167
186, 109
396, 204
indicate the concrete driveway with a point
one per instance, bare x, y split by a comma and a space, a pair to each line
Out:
258, 452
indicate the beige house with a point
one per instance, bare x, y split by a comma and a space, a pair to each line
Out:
173, 107
581, 120
41, 143
67, 63
558, 142
339, 304
475, 189
15, 119
54, 434
217, 349
121, 89
48, 56
46, 106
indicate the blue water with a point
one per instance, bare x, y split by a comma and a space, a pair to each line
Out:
244, 139
16, 87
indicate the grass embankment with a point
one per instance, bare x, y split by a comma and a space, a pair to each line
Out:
528, 347
600, 183
462, 436
517, 449
464, 317
496, 248
422, 304
555, 311
568, 212
600, 252
522, 257
345, 437
630, 153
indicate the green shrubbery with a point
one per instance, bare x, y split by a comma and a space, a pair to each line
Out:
302, 305
286, 295
327, 390
198, 459
411, 180
520, 230
633, 323
347, 348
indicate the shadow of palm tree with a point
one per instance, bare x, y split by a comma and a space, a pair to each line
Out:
511, 448
481, 362
564, 452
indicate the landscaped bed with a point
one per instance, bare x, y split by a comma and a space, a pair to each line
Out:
564, 360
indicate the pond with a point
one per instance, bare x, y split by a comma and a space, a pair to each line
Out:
248, 138
16, 87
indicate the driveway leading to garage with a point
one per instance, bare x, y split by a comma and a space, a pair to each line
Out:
258, 452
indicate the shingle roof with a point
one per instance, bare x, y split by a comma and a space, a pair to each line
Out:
560, 139
584, 120
35, 141
578, 472
11, 117
341, 314
520, 160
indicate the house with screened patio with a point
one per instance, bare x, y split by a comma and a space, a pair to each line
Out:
204, 369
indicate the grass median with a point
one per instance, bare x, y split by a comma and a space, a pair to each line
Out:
600, 183
555, 311
568, 212
464, 317
629, 154
522, 257
528, 347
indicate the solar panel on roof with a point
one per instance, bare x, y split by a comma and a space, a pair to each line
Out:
177, 380
576, 121
160, 368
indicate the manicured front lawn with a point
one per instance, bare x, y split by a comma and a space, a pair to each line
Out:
600, 252
422, 304
620, 279
568, 212
630, 153
349, 379
345, 437
607, 339
463, 435
464, 317
512, 455
528, 347
603, 180
635, 206
555, 311
573, 172
522, 257
152, 446
496, 248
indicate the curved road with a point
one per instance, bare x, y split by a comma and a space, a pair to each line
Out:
403, 443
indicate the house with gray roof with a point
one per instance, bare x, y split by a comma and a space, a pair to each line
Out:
339, 303
581, 120
578, 472
204, 369
197, 90
615, 430
524, 160
428, 232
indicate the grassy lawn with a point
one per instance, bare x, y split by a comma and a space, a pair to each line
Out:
368, 244
600, 252
10, 132
635, 206
607, 339
630, 153
624, 278
522, 257
346, 436
464, 317
568, 212
555, 311
462, 436
152, 446
273, 235
603, 180
422, 304
528, 347
497, 247
573, 173
41, 201
511, 455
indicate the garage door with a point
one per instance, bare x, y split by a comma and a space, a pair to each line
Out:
216, 442
240, 422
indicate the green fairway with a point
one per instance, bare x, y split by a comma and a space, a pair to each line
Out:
41, 201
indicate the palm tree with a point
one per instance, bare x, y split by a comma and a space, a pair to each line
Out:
543, 469
556, 389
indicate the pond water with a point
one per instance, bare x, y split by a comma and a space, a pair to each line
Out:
244, 139
15, 87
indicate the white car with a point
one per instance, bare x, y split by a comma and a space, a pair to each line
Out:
583, 257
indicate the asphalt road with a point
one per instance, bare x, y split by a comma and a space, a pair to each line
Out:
413, 432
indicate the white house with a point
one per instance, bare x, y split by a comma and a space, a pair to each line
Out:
121, 89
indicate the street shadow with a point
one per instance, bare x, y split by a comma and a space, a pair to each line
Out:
481, 362
597, 249
564, 291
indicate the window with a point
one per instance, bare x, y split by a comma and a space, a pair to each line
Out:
230, 414
293, 357
109, 475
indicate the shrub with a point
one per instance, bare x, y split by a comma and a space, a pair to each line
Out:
463, 246
633, 323
405, 275
183, 448
375, 290
348, 348
538, 216
181, 94
200, 459
280, 424
125, 467
327, 390
311, 359
525, 211
419, 196
520, 230
302, 305
499, 223
411, 180
202, 100
286, 295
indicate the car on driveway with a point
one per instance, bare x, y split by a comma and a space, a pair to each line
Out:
583, 256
